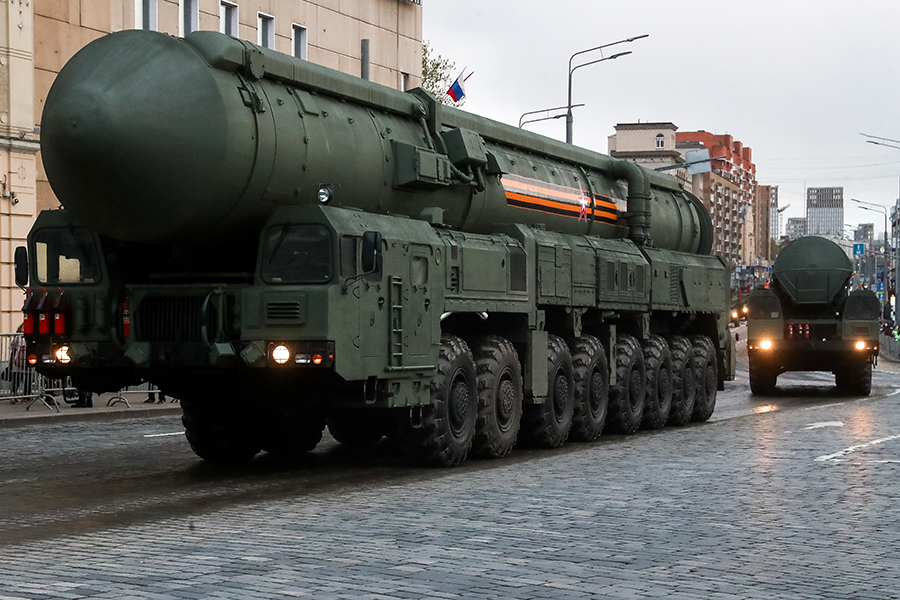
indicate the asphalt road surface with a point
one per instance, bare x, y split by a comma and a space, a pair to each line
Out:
788, 496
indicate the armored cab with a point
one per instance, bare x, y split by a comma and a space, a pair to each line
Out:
808, 321
281, 245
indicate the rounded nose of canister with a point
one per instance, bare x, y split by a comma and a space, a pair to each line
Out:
138, 140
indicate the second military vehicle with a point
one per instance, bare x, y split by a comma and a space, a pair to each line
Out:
807, 321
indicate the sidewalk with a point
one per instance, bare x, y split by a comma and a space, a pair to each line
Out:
16, 415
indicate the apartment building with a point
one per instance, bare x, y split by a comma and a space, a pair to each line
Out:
825, 211
37, 37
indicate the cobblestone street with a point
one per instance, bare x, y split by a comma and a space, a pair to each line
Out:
792, 503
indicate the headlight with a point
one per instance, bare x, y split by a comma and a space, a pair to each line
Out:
860, 345
766, 344
62, 354
745, 309
281, 354
734, 315
324, 194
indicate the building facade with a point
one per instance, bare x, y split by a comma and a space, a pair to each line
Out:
774, 214
732, 162
825, 211
795, 228
865, 232
38, 37
762, 213
651, 145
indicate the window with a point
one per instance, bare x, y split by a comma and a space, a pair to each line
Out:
228, 18
297, 254
189, 11
298, 43
266, 30
66, 256
145, 13
404, 82
660, 141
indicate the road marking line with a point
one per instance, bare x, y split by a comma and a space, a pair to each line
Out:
884, 462
823, 406
164, 434
847, 451
826, 424
894, 393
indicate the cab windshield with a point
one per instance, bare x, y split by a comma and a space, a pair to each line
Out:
297, 254
65, 256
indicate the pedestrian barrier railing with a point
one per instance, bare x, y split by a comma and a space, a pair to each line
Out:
146, 388
20, 382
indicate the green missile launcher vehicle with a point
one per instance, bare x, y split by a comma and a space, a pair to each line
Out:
807, 321
285, 247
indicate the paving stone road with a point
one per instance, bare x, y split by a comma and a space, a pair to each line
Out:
793, 497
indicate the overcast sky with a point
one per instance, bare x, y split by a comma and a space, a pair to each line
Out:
796, 81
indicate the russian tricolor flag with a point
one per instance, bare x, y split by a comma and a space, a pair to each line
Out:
457, 91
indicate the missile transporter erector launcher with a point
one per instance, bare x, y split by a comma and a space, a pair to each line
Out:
283, 246
807, 321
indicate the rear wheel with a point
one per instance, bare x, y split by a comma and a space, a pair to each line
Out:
707, 378
547, 425
626, 398
683, 380
443, 435
658, 369
591, 376
218, 431
499, 377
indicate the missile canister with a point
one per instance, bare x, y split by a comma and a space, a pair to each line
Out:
230, 131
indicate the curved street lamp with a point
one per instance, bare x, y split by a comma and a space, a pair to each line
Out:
569, 118
535, 112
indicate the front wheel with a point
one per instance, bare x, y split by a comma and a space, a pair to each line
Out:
444, 434
762, 381
217, 431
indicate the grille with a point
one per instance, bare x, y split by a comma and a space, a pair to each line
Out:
172, 319
291, 311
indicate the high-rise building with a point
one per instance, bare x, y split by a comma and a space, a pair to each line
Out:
774, 214
763, 225
825, 211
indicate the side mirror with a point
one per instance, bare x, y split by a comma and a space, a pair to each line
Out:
371, 252
21, 262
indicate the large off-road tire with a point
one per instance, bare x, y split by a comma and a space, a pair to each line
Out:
591, 376
658, 369
499, 377
684, 380
856, 379
291, 435
762, 381
356, 429
547, 425
218, 431
707, 377
626, 398
444, 434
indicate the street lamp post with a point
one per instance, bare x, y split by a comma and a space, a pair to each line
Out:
887, 261
523, 121
569, 118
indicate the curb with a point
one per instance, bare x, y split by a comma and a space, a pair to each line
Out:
84, 417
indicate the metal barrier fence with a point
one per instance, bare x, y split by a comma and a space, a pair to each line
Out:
20, 382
